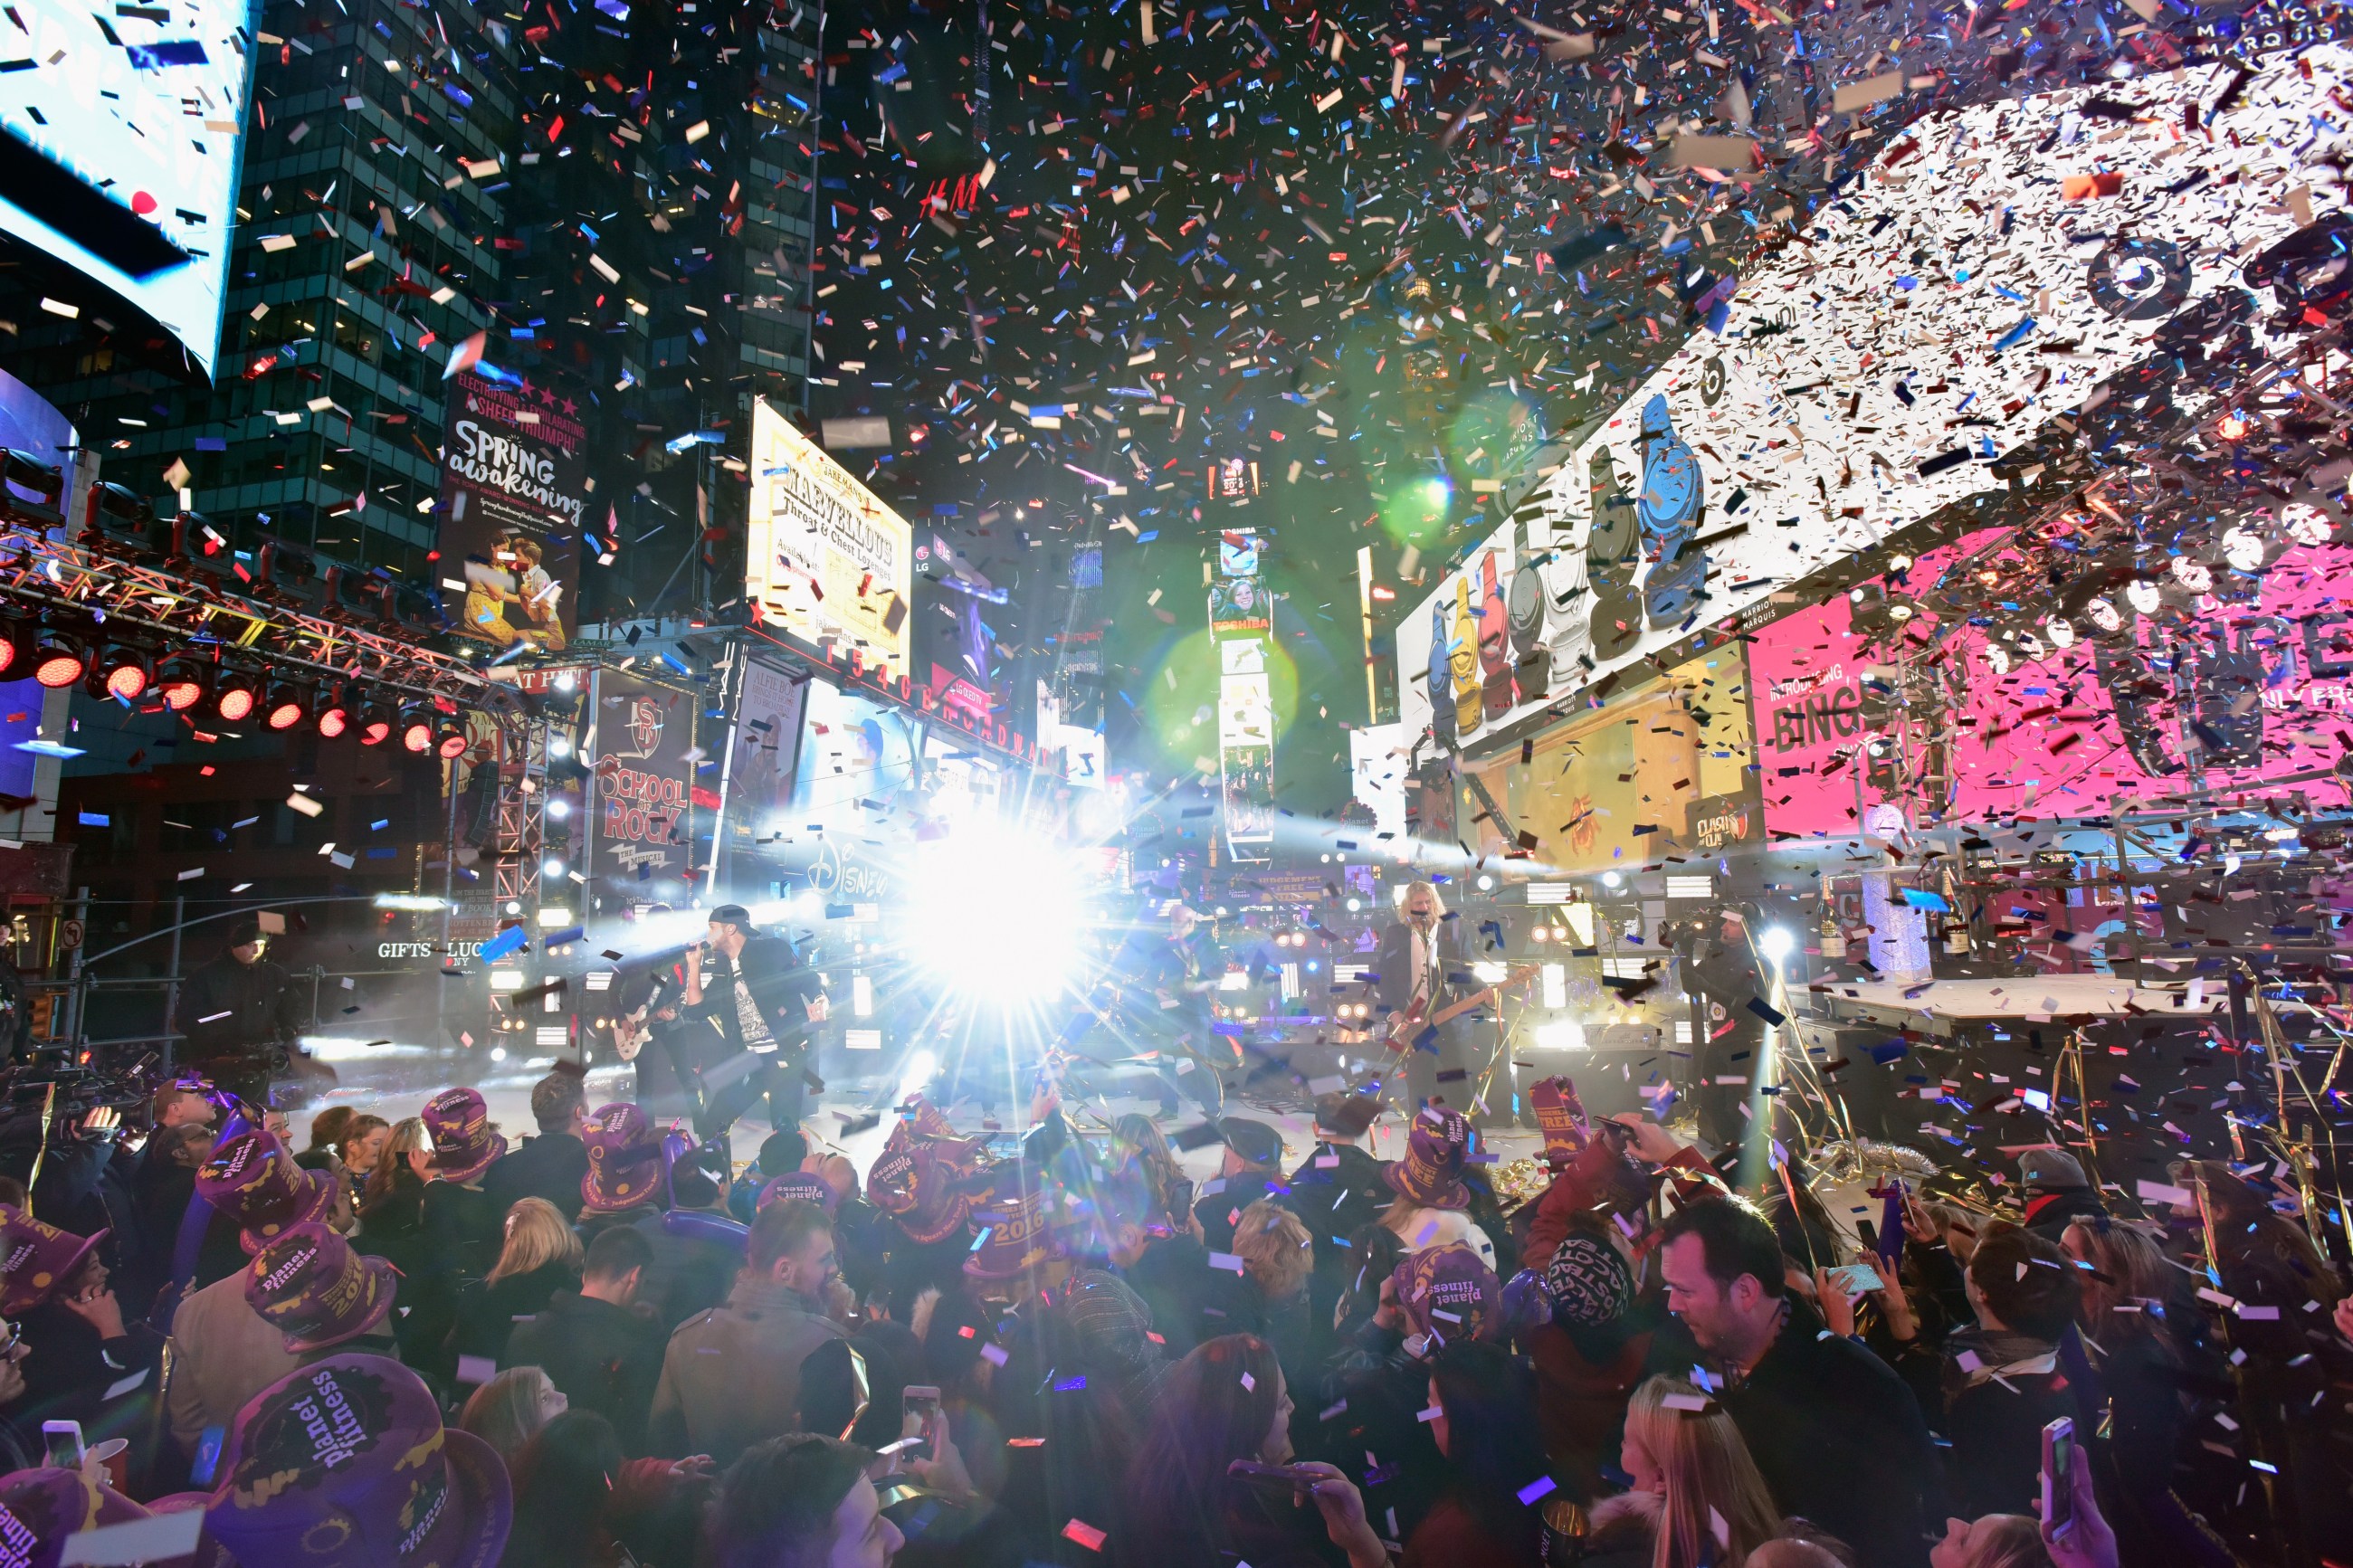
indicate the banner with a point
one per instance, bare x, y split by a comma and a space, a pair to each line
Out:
826, 558
1241, 621
513, 487
644, 760
2122, 715
1661, 772
765, 744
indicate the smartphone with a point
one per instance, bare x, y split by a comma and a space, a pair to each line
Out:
1288, 1479
1867, 1234
61, 1443
2058, 1490
919, 1421
1855, 1279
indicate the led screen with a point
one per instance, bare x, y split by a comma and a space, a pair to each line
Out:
119, 136
2245, 679
1999, 269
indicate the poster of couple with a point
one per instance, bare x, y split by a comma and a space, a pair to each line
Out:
513, 486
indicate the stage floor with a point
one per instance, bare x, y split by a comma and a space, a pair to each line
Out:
394, 1082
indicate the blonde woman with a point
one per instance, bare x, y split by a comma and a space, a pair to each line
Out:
1270, 1299
1697, 1495
394, 1196
541, 1256
1996, 1541
508, 1411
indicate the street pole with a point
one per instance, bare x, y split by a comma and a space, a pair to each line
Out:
74, 998
172, 983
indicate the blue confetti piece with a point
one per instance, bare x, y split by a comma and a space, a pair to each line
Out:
509, 941
157, 57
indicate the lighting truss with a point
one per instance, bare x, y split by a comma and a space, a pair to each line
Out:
69, 582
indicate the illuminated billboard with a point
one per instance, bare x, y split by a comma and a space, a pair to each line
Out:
1242, 624
1997, 270
119, 140
827, 560
514, 488
2157, 688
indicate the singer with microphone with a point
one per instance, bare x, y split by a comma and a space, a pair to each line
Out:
758, 997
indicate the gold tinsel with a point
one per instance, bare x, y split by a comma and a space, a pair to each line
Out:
1520, 1183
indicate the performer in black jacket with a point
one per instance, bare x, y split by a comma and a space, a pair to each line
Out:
765, 1002
1422, 967
239, 1017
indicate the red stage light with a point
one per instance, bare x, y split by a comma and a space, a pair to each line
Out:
55, 665
235, 703
417, 735
333, 721
127, 680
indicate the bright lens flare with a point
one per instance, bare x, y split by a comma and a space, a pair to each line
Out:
996, 914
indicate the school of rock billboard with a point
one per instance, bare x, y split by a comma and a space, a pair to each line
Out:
1999, 269
644, 760
2156, 690
515, 484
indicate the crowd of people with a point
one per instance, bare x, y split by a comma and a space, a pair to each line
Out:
416, 1340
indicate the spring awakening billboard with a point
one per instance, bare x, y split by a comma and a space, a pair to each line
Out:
515, 484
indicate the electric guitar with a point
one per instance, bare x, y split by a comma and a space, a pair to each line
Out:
632, 1030
1417, 1019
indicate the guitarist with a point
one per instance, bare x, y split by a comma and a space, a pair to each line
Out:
1423, 968
648, 1035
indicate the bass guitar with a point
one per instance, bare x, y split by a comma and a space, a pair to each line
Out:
1416, 1022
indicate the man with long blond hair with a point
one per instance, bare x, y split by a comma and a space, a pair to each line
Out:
1422, 967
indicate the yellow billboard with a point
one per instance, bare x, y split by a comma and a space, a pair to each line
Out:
827, 560
1617, 788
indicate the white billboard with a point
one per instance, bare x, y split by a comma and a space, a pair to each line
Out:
119, 137
1983, 278
826, 558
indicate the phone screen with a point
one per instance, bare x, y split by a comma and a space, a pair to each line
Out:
1280, 1478
2058, 1490
61, 1443
1858, 1277
919, 1425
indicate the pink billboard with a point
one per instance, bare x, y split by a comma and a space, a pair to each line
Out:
2243, 677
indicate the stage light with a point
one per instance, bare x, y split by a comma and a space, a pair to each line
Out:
450, 740
15, 650
996, 914
57, 662
235, 699
1561, 1035
121, 673
416, 729
1776, 942
375, 724
286, 708
181, 683
334, 719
